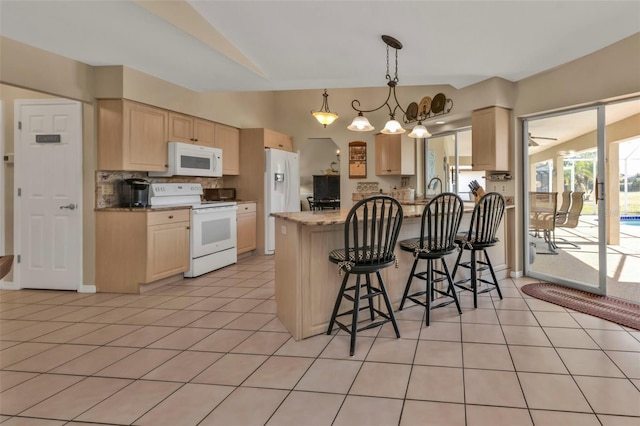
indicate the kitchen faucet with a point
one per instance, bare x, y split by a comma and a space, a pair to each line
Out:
434, 181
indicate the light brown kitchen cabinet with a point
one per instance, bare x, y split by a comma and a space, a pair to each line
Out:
188, 129
395, 155
277, 140
134, 248
131, 136
246, 229
490, 138
228, 139
180, 128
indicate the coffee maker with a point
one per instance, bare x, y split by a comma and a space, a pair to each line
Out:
135, 193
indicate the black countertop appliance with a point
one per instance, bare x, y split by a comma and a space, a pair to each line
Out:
135, 193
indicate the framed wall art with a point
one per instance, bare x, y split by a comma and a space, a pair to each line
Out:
357, 160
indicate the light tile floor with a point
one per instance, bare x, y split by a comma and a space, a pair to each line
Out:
211, 351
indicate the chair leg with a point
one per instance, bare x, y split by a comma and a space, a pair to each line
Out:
387, 302
338, 302
455, 267
369, 291
451, 287
429, 277
354, 321
474, 278
409, 281
493, 274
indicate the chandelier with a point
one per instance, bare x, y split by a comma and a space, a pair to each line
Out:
393, 126
324, 115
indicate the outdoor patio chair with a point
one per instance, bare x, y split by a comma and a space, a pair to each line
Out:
573, 217
561, 214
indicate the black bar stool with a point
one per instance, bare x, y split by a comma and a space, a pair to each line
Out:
440, 222
486, 218
370, 234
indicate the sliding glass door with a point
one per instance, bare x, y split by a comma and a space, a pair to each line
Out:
574, 193
564, 222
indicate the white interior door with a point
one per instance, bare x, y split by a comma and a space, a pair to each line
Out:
2, 193
48, 170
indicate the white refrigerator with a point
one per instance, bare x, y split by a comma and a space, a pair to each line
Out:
282, 190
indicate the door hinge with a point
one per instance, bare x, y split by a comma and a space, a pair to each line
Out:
19, 192
18, 259
19, 125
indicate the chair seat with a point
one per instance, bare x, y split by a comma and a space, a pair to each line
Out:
366, 258
462, 241
413, 245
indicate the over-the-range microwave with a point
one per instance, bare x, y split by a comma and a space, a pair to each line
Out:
186, 159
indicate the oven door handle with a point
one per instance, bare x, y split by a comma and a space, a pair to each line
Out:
215, 210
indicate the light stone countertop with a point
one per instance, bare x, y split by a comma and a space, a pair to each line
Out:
336, 217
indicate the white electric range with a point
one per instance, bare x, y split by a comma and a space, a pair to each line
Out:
213, 225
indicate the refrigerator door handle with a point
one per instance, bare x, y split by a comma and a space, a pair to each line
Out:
287, 180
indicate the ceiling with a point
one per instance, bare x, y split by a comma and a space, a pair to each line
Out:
566, 127
242, 45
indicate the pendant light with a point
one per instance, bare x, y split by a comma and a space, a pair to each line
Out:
419, 132
392, 126
324, 115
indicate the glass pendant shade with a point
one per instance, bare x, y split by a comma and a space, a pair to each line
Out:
325, 118
360, 124
419, 131
324, 115
393, 127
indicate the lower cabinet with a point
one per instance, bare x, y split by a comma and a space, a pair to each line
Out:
140, 247
246, 229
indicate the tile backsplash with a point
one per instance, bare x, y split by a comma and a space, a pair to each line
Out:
109, 184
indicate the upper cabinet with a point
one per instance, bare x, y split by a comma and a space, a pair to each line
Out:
187, 129
131, 136
395, 155
228, 139
134, 136
490, 138
277, 140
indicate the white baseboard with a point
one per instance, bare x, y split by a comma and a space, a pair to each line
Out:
8, 285
87, 288
517, 274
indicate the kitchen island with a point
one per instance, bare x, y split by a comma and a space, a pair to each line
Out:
307, 283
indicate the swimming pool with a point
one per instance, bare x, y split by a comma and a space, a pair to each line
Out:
633, 220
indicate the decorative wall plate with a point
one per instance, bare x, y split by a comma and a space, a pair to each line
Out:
437, 105
412, 111
425, 106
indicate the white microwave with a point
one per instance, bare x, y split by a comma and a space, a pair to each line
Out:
186, 159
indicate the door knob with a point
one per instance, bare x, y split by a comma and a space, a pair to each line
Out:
69, 206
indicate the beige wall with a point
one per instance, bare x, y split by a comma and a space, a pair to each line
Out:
237, 109
36, 69
610, 73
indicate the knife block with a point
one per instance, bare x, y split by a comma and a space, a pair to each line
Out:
479, 194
